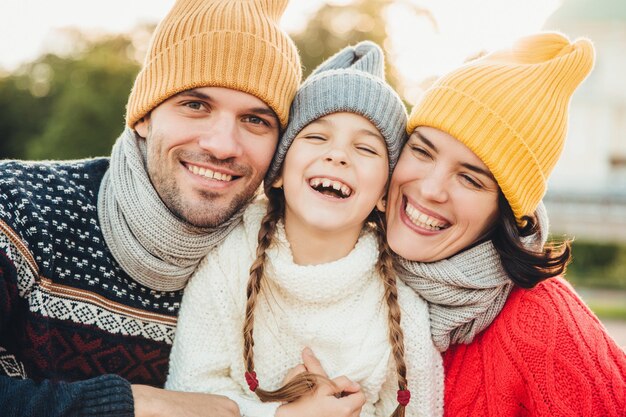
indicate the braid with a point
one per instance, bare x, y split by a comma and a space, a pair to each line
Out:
386, 270
303, 383
266, 235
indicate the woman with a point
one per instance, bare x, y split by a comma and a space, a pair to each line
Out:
463, 202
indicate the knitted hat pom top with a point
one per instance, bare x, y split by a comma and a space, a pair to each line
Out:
511, 109
352, 80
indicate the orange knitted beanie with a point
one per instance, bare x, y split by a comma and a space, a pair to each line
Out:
511, 109
219, 43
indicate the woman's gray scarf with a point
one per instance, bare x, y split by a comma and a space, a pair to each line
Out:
467, 291
153, 246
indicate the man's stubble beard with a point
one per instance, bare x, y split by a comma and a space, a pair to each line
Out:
170, 193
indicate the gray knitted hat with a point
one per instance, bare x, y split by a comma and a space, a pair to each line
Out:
352, 80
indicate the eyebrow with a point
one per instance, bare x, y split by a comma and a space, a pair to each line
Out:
266, 111
363, 131
466, 165
426, 141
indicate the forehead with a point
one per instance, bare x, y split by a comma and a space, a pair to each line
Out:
222, 93
447, 145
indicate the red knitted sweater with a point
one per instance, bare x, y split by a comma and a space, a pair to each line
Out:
546, 354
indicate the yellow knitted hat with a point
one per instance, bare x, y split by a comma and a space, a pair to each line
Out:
219, 43
511, 108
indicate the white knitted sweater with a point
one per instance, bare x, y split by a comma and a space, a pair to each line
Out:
337, 309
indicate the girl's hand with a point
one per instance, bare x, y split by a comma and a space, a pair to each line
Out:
324, 401
344, 399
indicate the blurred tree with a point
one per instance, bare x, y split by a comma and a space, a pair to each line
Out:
88, 112
68, 107
335, 26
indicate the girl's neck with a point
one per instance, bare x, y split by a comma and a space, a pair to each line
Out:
312, 246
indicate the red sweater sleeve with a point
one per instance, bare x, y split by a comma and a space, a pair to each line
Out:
546, 354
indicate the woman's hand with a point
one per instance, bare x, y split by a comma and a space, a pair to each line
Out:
343, 399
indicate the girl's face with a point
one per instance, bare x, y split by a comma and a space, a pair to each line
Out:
442, 198
334, 174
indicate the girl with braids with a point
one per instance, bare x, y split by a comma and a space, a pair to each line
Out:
464, 212
309, 268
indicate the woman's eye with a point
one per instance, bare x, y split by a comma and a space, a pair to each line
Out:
420, 150
471, 181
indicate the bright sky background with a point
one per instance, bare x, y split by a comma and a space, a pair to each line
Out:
419, 50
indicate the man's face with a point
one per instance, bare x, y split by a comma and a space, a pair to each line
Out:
208, 151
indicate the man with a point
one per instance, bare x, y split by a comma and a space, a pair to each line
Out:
94, 254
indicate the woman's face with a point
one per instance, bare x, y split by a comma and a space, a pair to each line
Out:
442, 198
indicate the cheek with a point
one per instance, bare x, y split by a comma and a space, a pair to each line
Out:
483, 215
260, 154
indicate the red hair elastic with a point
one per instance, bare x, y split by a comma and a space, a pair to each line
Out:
253, 383
404, 396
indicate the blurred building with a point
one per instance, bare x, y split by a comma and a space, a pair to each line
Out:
587, 192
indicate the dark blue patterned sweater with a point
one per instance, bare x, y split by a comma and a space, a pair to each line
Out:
75, 330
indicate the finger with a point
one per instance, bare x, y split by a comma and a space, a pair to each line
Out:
344, 385
311, 363
353, 402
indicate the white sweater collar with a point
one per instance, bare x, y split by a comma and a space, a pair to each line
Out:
323, 283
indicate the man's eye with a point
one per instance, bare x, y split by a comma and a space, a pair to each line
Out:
194, 105
256, 120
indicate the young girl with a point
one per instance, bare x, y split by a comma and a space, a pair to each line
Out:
321, 275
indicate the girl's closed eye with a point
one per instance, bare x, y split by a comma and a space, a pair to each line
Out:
315, 138
368, 149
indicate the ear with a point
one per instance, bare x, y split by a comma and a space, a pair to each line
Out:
382, 204
142, 127
278, 183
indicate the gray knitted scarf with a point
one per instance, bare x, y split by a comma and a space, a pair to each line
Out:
467, 291
156, 248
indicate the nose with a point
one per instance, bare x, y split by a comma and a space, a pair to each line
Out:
221, 137
434, 187
337, 156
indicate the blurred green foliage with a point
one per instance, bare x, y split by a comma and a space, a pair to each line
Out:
67, 107
597, 264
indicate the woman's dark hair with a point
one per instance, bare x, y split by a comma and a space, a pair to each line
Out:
527, 266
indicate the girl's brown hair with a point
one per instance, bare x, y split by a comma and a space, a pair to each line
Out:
307, 382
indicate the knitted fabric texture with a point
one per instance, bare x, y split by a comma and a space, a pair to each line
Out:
150, 243
352, 80
69, 312
299, 306
511, 109
234, 44
466, 292
545, 355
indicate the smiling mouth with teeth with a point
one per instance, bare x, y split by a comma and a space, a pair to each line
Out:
423, 220
330, 187
207, 173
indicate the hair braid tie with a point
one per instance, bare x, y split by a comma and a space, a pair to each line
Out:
404, 396
253, 383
